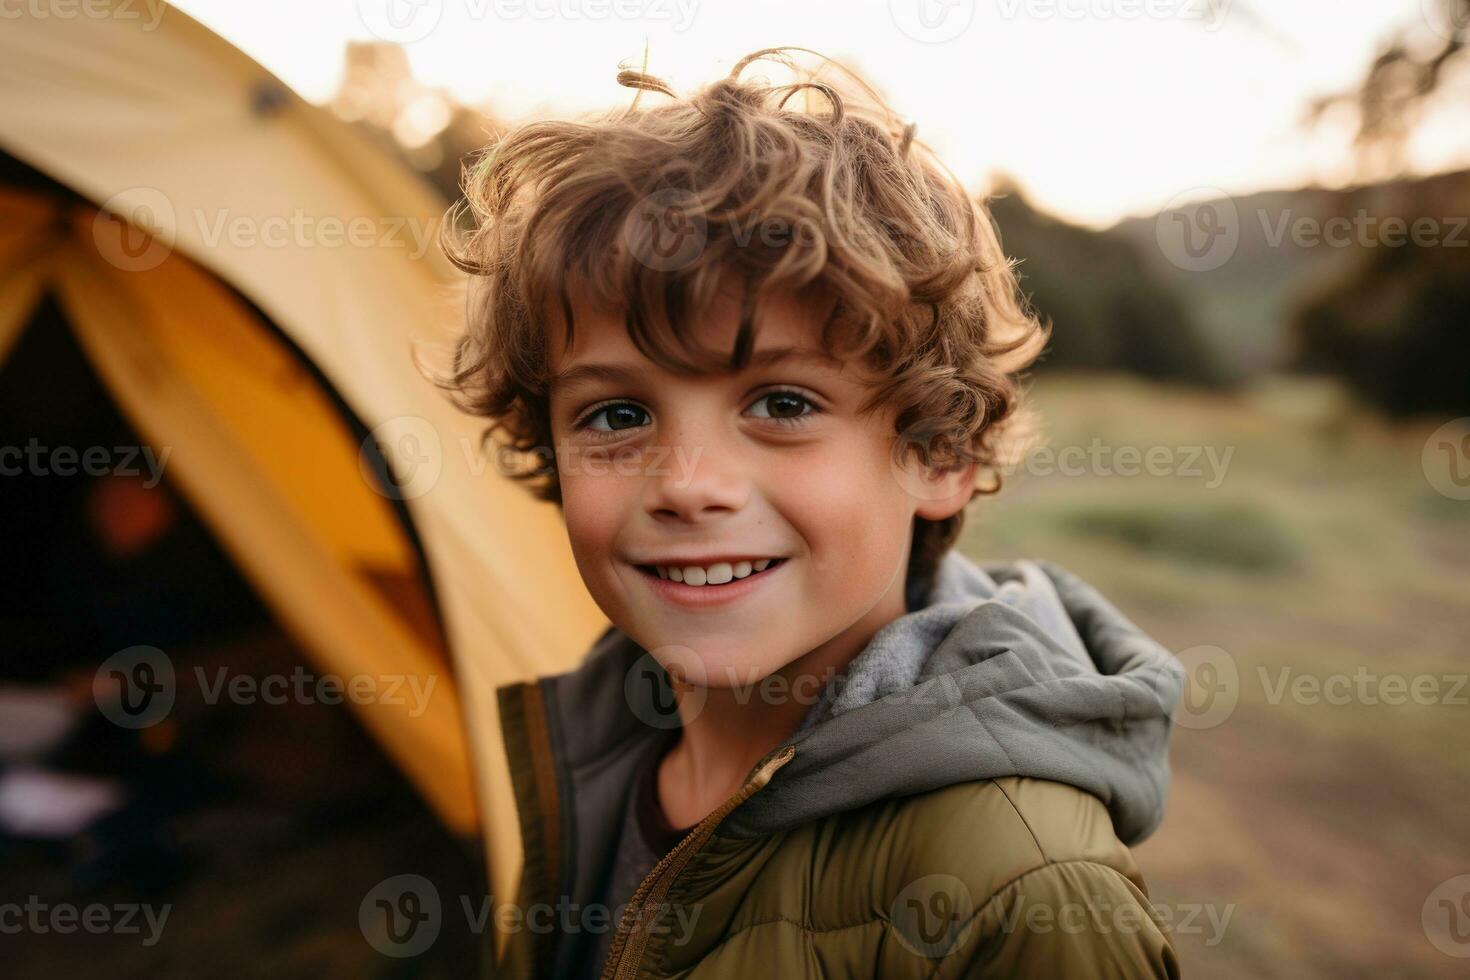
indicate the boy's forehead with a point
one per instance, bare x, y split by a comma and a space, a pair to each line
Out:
783, 320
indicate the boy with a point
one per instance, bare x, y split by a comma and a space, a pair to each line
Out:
765, 355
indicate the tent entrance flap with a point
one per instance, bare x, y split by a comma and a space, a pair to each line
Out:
247, 434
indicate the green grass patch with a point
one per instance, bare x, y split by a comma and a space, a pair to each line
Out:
1232, 535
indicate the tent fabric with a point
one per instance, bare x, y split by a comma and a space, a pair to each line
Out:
195, 154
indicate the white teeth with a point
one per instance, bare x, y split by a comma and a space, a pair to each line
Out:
719, 573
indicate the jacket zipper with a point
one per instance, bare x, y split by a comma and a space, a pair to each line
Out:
628, 945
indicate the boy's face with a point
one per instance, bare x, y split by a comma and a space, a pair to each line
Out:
773, 462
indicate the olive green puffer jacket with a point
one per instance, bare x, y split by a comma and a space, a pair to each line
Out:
955, 805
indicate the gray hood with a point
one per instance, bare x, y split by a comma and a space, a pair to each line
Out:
1003, 669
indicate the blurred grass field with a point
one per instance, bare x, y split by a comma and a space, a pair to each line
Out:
1319, 550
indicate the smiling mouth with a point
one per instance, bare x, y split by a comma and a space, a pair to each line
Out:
701, 580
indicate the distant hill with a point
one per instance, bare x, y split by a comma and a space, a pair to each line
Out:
1248, 304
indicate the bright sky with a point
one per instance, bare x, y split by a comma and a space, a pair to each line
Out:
1100, 108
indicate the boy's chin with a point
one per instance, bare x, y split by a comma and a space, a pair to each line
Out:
717, 670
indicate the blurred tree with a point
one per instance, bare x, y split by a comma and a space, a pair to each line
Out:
1393, 323
425, 126
1108, 311
1400, 85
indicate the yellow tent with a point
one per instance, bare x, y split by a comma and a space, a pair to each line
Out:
247, 275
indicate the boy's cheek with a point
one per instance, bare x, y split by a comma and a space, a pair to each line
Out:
850, 515
591, 512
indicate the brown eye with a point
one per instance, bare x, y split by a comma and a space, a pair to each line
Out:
622, 415
783, 405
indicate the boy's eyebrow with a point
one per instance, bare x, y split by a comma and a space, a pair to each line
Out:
625, 373
583, 373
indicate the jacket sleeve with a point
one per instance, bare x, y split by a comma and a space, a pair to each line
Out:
1074, 919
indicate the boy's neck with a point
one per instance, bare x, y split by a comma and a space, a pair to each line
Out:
735, 727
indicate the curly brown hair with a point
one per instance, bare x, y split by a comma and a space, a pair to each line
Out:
921, 290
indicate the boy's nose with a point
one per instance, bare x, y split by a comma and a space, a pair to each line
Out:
696, 480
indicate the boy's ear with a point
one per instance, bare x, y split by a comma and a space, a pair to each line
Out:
942, 493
